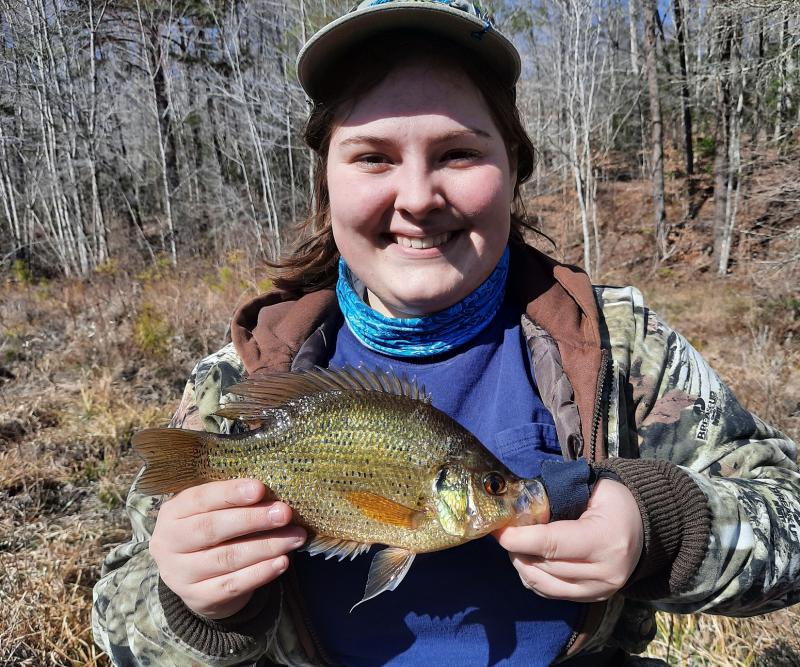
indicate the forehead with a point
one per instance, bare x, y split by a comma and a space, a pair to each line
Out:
440, 92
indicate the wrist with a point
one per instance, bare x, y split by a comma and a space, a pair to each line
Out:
232, 635
676, 523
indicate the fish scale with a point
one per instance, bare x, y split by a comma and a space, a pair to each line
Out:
310, 463
361, 457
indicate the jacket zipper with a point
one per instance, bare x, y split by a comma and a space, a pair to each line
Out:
598, 402
572, 639
598, 406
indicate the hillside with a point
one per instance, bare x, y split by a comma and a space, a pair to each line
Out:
85, 363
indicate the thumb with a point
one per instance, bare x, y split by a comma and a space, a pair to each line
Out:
560, 540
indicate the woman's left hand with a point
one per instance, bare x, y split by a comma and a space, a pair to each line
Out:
585, 560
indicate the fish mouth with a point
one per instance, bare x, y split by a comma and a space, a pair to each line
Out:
532, 505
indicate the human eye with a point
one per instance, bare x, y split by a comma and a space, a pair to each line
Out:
461, 155
372, 161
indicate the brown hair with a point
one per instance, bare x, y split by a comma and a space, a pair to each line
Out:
312, 265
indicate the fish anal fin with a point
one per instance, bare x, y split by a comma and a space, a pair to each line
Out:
384, 510
388, 569
332, 547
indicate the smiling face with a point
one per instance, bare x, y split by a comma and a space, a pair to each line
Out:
420, 187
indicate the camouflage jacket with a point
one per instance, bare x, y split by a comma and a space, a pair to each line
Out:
717, 488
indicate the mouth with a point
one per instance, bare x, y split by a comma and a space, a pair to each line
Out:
532, 506
423, 242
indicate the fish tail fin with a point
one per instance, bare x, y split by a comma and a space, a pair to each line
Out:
175, 458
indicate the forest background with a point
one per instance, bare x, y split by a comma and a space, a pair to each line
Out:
151, 160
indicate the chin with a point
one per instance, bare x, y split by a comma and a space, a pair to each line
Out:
418, 306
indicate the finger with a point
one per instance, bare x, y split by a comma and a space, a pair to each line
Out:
218, 591
242, 553
560, 540
202, 531
576, 572
548, 586
215, 496
566, 570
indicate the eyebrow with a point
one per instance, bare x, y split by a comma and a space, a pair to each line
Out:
454, 134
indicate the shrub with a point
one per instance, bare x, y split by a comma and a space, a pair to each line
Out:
151, 333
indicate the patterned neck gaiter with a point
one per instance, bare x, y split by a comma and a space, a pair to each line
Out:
421, 336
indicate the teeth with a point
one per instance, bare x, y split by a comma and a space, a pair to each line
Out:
424, 242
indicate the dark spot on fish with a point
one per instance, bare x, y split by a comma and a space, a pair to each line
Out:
440, 479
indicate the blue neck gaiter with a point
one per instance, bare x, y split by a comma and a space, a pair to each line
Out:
422, 336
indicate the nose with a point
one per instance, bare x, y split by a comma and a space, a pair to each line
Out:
418, 192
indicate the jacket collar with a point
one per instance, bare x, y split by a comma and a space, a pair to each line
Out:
269, 331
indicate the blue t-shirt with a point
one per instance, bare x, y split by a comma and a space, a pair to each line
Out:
462, 606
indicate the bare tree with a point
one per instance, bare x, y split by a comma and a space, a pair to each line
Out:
656, 129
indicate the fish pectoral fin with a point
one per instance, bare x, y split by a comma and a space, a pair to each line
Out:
384, 510
388, 569
332, 547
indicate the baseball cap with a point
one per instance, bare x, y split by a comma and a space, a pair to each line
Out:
459, 21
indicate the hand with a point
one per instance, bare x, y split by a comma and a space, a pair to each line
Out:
216, 543
585, 560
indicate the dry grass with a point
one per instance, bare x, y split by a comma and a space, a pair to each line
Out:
771, 640
83, 364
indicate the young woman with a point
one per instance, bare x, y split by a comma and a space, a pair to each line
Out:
414, 261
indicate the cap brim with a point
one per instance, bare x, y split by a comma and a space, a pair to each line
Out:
338, 37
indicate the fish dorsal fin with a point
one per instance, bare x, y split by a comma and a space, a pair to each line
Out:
262, 391
384, 510
387, 570
332, 547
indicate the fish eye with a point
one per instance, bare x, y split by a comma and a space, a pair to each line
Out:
494, 484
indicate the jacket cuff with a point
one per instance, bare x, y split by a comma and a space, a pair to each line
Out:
225, 637
677, 525
568, 485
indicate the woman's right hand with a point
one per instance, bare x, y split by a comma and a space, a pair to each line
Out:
216, 543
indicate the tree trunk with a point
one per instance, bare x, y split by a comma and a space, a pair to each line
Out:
783, 58
734, 176
680, 31
724, 29
154, 57
656, 129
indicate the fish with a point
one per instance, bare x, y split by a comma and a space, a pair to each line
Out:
362, 457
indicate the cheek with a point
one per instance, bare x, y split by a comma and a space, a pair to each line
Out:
483, 192
355, 201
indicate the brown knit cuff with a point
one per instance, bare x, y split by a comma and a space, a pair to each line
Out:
677, 525
225, 637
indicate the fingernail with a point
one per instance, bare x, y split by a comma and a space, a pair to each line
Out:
249, 491
281, 565
298, 540
276, 514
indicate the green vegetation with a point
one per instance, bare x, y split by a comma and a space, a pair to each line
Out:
151, 332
